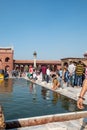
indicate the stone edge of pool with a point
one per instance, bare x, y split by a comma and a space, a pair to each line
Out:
24, 122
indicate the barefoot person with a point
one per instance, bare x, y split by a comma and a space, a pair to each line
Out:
56, 83
81, 96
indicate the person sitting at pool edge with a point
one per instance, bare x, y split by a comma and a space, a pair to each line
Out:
55, 82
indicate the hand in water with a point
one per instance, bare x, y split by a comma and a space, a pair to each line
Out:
80, 103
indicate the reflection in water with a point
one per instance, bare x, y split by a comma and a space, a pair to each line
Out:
48, 95
1, 81
56, 96
32, 88
65, 102
6, 86
34, 92
6, 90
72, 106
45, 93
58, 99
69, 104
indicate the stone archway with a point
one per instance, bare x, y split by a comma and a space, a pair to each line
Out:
7, 59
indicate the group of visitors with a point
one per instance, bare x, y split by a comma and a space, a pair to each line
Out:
45, 73
72, 74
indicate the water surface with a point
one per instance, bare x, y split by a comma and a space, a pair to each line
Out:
22, 99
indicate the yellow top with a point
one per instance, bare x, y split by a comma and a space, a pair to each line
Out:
1, 76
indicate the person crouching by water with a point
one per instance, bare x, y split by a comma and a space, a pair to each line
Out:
55, 82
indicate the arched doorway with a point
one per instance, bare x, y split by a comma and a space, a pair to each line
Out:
1, 66
7, 59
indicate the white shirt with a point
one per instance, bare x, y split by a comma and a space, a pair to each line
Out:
48, 72
71, 68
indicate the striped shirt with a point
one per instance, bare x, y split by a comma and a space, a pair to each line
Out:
79, 69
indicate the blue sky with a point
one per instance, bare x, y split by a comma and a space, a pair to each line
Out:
55, 29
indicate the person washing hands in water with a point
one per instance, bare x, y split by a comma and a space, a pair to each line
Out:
81, 96
55, 82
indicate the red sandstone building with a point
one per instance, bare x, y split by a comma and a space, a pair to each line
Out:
7, 60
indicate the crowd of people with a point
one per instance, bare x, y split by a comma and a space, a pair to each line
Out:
72, 74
